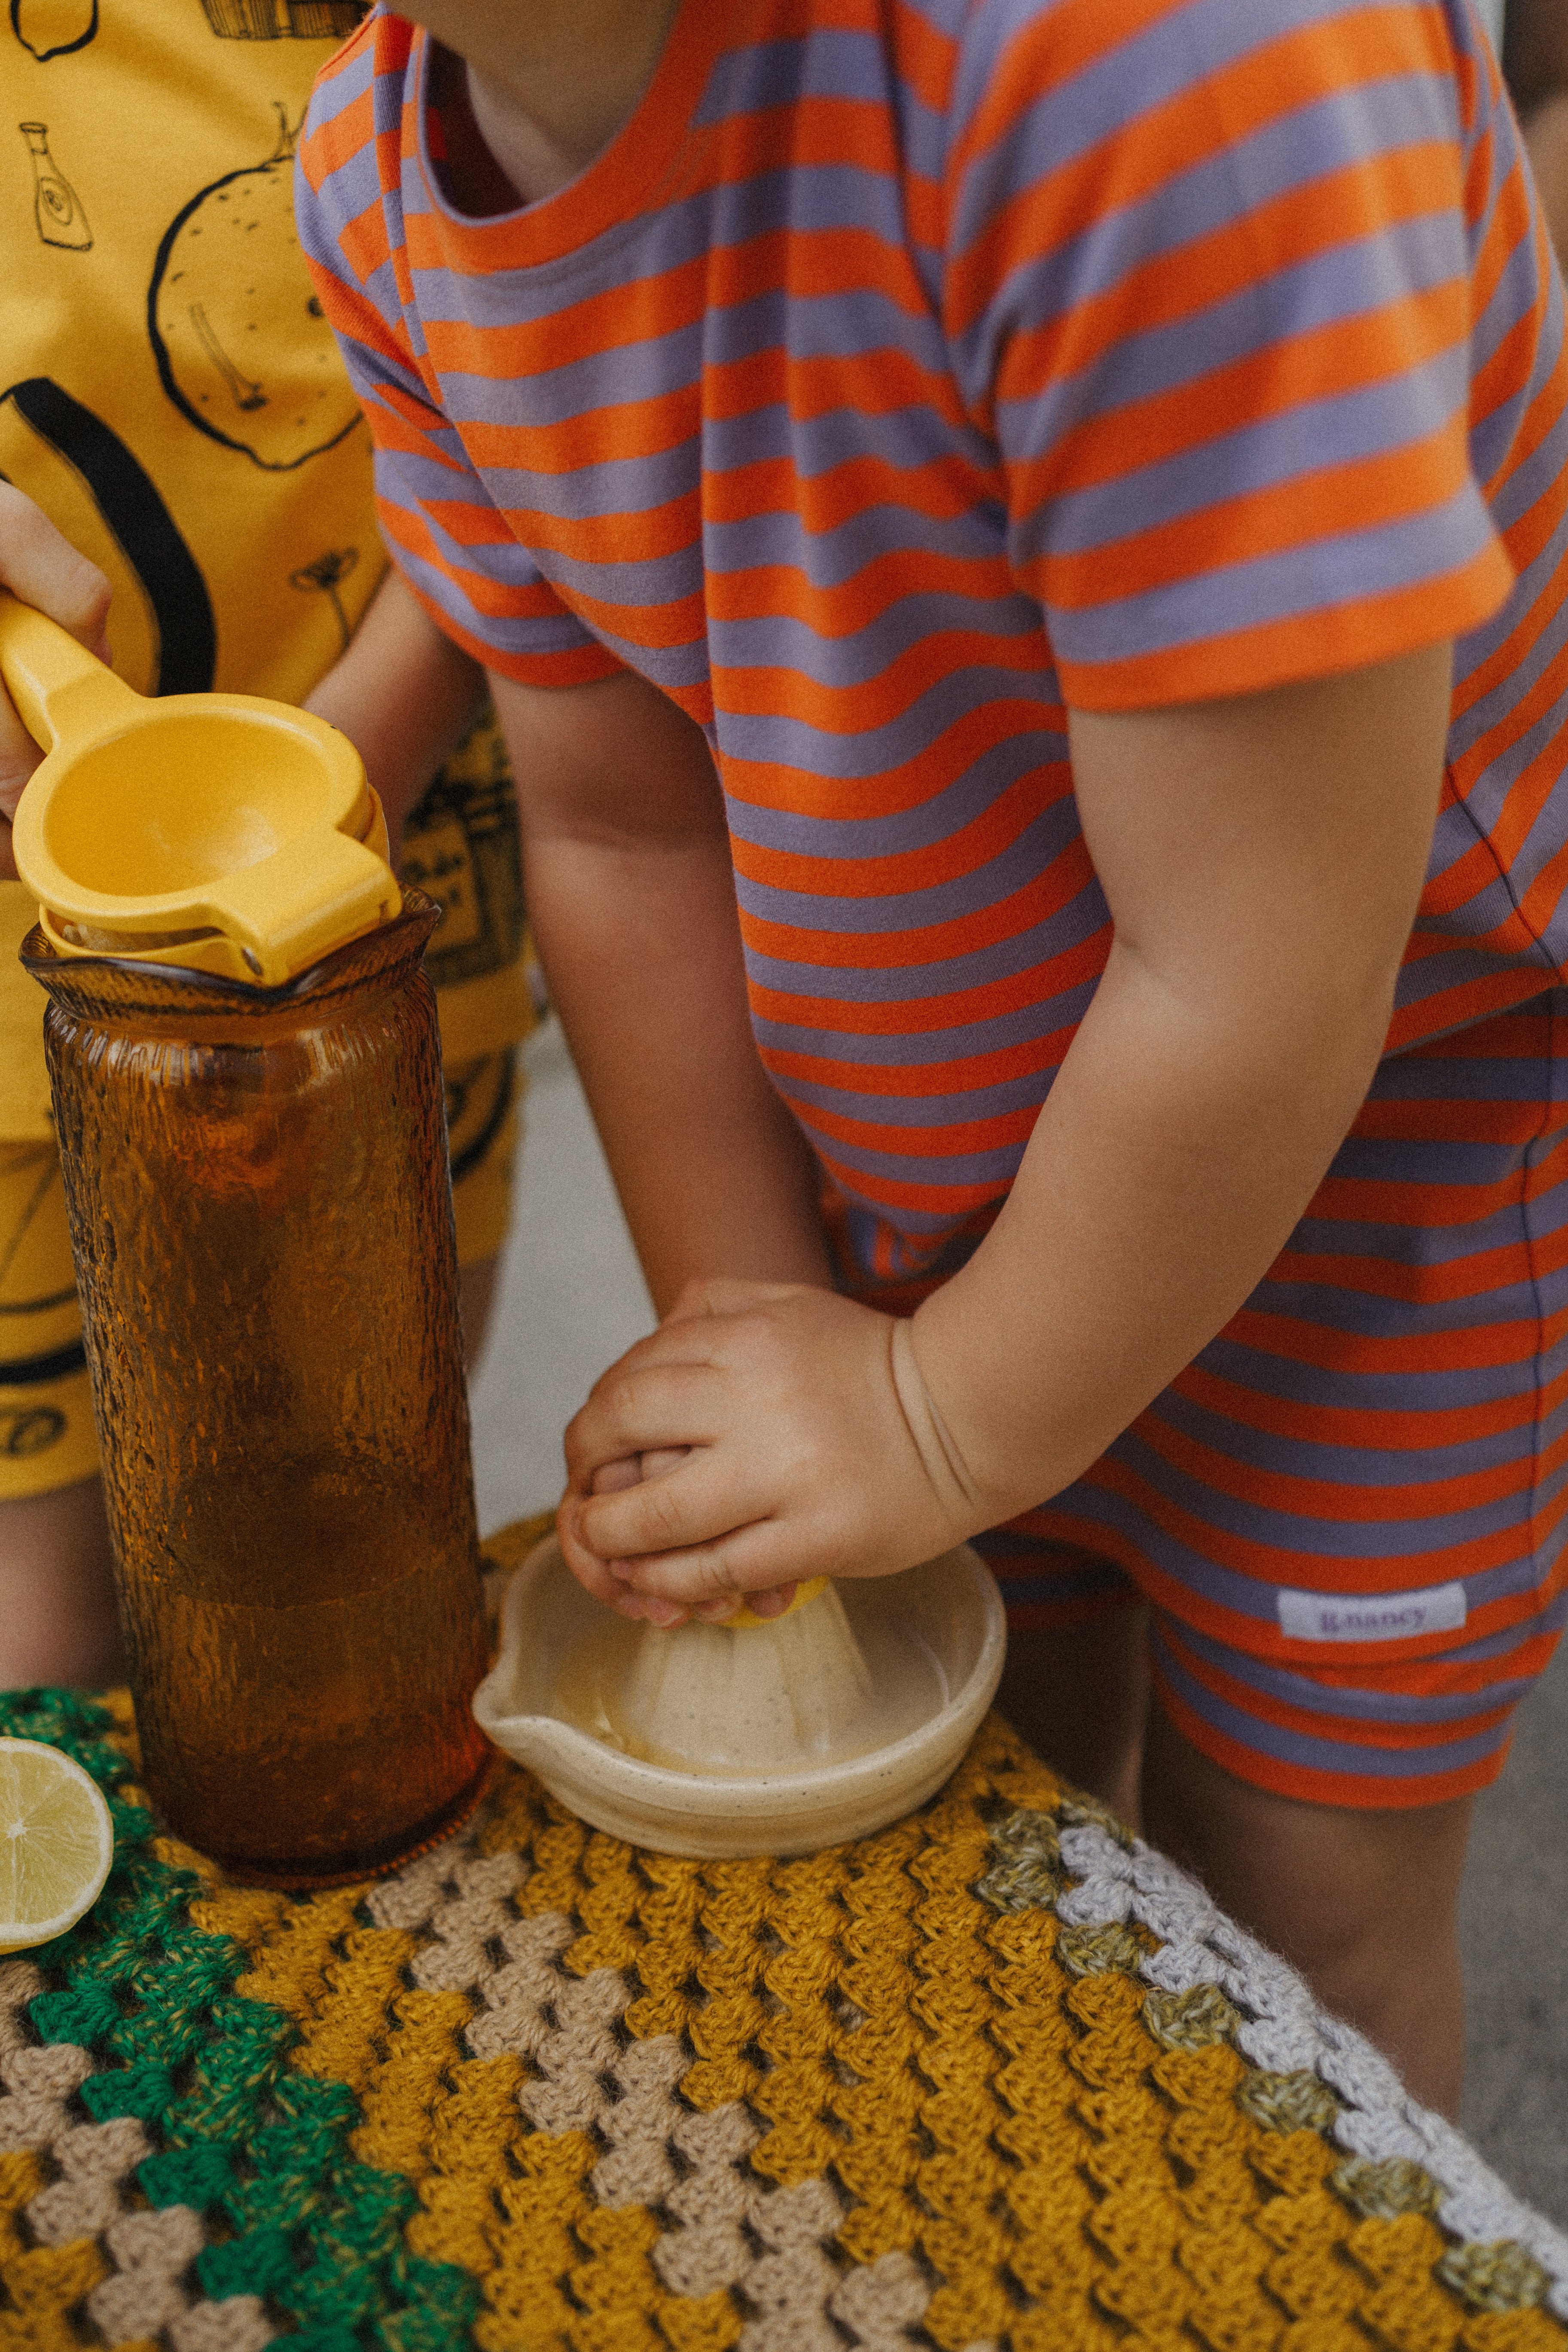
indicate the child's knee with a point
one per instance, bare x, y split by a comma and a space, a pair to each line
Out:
57, 1617
1337, 1886
57, 1621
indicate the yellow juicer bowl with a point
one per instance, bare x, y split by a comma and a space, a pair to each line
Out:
220, 832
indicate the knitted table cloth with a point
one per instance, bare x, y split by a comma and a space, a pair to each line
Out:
997, 2077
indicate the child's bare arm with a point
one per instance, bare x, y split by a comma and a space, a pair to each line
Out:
402, 693
627, 877
1263, 860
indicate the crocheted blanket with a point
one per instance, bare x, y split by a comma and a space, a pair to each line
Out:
999, 2079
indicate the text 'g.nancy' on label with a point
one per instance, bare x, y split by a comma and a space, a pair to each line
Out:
1372, 1616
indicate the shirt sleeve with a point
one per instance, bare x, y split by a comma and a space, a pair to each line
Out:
439, 523
1209, 287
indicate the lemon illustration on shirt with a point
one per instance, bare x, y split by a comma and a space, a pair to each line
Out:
241, 345
54, 28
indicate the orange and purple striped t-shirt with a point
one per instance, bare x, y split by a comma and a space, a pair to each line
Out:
908, 370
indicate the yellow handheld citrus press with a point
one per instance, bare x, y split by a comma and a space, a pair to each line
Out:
220, 832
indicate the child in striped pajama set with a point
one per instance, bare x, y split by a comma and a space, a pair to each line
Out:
1057, 507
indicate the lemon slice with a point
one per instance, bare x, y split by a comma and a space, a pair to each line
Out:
57, 1843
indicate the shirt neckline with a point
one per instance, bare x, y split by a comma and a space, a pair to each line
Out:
615, 187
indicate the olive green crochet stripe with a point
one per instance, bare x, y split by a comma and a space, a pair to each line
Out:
1028, 1872
241, 2137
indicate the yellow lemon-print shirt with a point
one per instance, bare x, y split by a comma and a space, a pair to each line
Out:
170, 394
173, 398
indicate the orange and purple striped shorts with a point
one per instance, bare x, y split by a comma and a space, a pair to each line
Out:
1348, 1513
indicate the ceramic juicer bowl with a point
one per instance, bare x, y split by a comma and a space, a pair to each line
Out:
949, 1607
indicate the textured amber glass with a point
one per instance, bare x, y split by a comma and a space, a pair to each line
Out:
261, 1220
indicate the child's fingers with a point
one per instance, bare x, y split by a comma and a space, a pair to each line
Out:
586, 1565
592, 1574
41, 567
664, 1614
633, 1600
698, 1535
706, 1579
658, 1459
597, 1578
638, 1409
692, 1504
38, 564
613, 1477
772, 1602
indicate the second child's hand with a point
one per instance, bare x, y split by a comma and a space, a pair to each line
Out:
41, 568
812, 1449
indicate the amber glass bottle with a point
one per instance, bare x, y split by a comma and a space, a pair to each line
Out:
261, 1219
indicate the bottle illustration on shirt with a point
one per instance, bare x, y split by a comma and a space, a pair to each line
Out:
324, 577
282, 20
242, 347
56, 207
54, 28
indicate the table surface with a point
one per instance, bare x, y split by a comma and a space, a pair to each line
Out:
998, 2076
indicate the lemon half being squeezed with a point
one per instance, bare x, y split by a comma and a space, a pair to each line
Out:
57, 1843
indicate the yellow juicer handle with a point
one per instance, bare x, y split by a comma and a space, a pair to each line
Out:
62, 692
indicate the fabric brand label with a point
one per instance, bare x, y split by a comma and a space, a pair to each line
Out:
1372, 1616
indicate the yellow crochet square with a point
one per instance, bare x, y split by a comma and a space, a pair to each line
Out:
997, 2079
883, 2095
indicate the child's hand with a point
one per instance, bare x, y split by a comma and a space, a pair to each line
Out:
41, 568
813, 1450
613, 1479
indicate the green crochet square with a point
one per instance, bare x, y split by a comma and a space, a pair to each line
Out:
141, 2090
202, 2176
261, 2264
88, 2014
